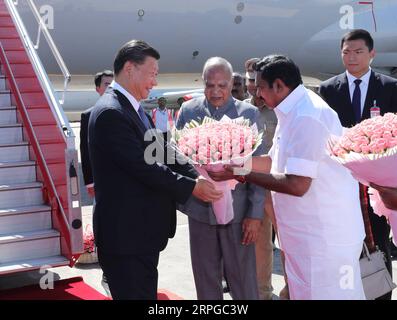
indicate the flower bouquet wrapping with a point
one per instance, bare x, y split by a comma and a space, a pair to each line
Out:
90, 252
369, 151
212, 144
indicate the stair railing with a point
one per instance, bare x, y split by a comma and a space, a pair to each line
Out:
71, 160
39, 68
48, 182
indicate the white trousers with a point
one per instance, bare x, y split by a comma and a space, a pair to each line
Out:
335, 275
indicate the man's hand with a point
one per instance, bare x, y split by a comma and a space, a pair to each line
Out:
250, 230
206, 191
91, 191
229, 172
388, 196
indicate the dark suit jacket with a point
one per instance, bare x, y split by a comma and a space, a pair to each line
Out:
85, 157
383, 89
135, 201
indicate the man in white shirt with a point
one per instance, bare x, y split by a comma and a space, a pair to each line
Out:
162, 118
316, 200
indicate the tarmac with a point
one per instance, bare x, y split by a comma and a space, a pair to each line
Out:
175, 271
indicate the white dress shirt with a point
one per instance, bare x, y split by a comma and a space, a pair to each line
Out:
363, 86
162, 120
328, 216
128, 95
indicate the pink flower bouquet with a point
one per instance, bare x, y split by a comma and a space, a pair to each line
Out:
369, 151
211, 144
90, 252
89, 241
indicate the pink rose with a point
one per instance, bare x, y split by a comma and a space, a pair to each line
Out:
365, 149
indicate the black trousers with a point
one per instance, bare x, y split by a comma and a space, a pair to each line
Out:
381, 233
131, 277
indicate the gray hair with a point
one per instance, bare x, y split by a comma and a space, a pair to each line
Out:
217, 63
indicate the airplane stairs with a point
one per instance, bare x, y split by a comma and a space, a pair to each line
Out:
38, 224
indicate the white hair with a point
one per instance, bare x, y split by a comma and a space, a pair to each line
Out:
217, 63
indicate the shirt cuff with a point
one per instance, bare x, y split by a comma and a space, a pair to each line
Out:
301, 167
89, 185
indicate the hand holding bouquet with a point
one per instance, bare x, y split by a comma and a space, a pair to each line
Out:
212, 144
369, 151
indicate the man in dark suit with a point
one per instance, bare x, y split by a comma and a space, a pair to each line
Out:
135, 196
352, 95
102, 81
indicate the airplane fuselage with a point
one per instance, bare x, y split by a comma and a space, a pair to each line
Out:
186, 33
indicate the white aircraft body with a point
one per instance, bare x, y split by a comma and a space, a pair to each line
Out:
186, 33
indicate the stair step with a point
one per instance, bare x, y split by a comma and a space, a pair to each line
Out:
8, 32
6, 21
17, 57
10, 133
5, 98
25, 219
17, 172
24, 210
32, 264
29, 245
18, 151
27, 236
8, 116
21, 195
8, 107
12, 44
4, 13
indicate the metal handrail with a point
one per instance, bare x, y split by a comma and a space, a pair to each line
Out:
48, 182
53, 47
61, 118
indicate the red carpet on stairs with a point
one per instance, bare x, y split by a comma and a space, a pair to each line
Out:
67, 289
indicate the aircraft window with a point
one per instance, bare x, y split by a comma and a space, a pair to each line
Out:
240, 6
141, 13
238, 19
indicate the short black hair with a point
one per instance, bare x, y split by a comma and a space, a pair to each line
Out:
281, 67
359, 34
134, 51
99, 75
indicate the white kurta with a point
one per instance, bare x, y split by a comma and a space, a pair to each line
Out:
322, 232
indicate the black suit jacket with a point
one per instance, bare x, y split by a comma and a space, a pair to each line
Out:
383, 89
135, 201
85, 156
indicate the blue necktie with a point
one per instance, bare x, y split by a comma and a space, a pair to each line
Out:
143, 117
356, 102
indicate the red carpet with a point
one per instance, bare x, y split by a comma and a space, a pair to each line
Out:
67, 289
